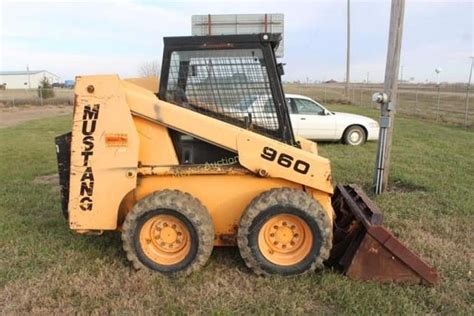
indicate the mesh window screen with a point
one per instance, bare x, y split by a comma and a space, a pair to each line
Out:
231, 85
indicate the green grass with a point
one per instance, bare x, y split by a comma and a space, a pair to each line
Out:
46, 268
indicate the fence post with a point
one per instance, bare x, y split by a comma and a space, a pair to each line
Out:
416, 99
466, 113
467, 93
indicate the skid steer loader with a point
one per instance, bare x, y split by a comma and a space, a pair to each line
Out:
193, 166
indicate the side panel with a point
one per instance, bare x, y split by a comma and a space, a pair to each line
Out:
156, 147
104, 153
276, 159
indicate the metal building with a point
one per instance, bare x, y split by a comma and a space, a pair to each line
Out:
26, 79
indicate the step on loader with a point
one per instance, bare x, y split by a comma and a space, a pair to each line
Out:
193, 166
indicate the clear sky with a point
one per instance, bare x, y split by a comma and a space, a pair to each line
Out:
93, 37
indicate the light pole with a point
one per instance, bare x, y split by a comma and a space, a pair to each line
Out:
438, 71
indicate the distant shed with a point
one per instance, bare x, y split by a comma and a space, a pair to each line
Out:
26, 79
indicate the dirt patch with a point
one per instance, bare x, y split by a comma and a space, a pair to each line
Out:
404, 187
51, 179
11, 116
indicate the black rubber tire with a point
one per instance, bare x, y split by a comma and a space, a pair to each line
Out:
183, 206
346, 137
289, 201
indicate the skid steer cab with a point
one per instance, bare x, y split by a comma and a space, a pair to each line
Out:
190, 165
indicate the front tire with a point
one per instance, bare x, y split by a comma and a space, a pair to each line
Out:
354, 135
284, 231
169, 232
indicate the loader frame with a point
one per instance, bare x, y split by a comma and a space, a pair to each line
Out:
122, 146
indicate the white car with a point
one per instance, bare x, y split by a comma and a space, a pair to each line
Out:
313, 121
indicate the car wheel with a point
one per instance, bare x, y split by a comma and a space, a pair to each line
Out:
354, 136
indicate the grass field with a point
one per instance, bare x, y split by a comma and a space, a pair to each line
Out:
45, 268
18, 97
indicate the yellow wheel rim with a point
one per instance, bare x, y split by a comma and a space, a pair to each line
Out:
165, 239
285, 239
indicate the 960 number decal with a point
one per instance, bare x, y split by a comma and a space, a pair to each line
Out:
285, 160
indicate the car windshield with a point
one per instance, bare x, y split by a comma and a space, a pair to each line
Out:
246, 102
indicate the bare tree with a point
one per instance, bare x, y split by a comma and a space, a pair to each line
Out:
150, 69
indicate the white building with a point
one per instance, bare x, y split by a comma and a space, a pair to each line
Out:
26, 79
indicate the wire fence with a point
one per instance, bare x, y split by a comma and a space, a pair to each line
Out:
54, 96
446, 103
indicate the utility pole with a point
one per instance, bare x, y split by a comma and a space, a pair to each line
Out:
368, 73
388, 99
348, 53
467, 92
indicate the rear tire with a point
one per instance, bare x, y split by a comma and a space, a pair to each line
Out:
168, 231
354, 135
284, 231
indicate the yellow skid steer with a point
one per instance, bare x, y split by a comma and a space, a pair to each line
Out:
194, 166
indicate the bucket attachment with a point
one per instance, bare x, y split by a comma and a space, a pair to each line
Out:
364, 249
